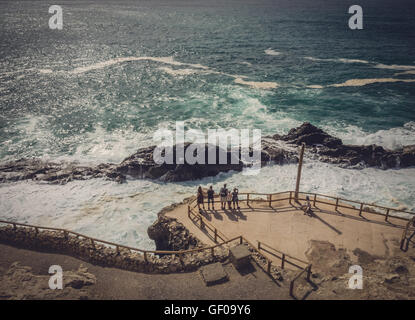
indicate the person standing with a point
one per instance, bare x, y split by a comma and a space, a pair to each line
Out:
307, 209
229, 200
223, 194
211, 198
200, 198
235, 199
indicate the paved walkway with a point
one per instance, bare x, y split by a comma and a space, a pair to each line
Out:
285, 227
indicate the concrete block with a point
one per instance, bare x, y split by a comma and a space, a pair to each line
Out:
240, 255
213, 274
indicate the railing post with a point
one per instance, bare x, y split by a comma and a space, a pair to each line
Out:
387, 215
259, 245
402, 244
360, 210
269, 266
283, 261
270, 197
212, 251
188, 211
202, 224
290, 197
300, 165
247, 199
216, 235
337, 204
145, 256
314, 201
308, 272
240, 240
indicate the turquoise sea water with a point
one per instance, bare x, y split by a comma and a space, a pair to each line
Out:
98, 89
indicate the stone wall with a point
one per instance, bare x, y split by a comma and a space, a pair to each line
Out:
99, 254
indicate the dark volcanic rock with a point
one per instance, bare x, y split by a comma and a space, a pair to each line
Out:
168, 234
331, 149
275, 149
52, 172
310, 135
142, 165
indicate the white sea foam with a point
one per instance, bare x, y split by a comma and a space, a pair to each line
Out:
393, 138
257, 84
178, 72
342, 60
394, 67
45, 71
245, 63
272, 52
122, 213
194, 68
315, 86
104, 64
364, 82
102, 146
405, 72
374, 64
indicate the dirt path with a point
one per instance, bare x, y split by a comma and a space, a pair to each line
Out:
119, 284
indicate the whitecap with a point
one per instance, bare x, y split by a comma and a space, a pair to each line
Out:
104, 64
178, 72
394, 67
272, 52
405, 72
342, 60
363, 82
257, 84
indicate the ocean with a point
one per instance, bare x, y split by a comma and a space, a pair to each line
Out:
98, 89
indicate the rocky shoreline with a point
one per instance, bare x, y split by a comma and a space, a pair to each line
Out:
276, 149
169, 234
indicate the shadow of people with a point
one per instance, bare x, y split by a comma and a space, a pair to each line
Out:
206, 214
239, 214
217, 215
230, 215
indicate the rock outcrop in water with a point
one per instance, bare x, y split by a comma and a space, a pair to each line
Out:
332, 150
275, 149
54, 172
139, 165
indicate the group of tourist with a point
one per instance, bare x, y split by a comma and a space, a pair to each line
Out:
226, 197
231, 197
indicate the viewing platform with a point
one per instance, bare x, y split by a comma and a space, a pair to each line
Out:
277, 223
